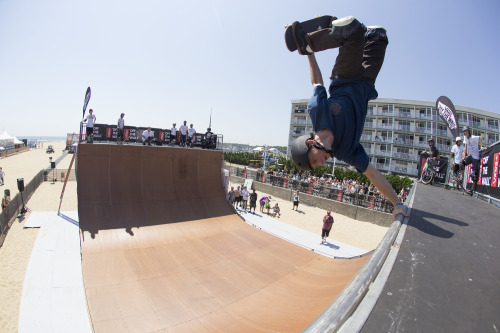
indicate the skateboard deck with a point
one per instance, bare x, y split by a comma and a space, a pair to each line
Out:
317, 23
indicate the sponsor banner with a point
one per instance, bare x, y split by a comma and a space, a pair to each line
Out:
104, 132
446, 111
440, 168
488, 182
285, 183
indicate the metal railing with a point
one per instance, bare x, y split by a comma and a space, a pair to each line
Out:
374, 202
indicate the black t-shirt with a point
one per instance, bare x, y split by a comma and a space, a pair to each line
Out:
253, 197
434, 151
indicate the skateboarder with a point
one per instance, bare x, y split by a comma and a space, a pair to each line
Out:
120, 128
338, 120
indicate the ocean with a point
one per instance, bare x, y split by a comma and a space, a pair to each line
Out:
43, 138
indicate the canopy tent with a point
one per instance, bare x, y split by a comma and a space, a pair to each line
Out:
6, 139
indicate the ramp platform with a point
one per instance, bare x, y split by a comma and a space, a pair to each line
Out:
162, 250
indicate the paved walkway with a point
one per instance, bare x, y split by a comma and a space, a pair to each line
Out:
446, 277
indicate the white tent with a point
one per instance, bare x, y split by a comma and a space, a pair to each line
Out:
258, 149
6, 139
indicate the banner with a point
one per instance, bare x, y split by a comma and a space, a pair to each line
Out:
488, 182
439, 169
104, 132
447, 112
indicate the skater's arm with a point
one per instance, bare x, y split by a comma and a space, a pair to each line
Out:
385, 188
316, 78
481, 140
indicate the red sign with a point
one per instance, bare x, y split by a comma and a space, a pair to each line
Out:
496, 161
479, 177
285, 183
161, 136
371, 202
310, 189
263, 177
339, 195
109, 132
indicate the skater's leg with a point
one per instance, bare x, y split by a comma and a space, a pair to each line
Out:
374, 52
351, 37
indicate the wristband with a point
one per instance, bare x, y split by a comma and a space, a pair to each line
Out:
399, 204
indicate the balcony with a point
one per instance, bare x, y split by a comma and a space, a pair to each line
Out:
382, 152
402, 114
493, 128
423, 130
406, 128
491, 141
405, 156
297, 133
424, 117
422, 144
368, 124
402, 141
383, 139
381, 166
296, 121
383, 126
366, 137
441, 132
442, 147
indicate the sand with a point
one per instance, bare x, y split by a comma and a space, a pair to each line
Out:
16, 250
363, 235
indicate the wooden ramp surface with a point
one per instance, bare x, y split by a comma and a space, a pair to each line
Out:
163, 251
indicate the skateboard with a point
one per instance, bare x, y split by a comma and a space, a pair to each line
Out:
317, 23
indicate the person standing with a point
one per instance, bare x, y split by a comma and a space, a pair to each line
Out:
2, 175
237, 197
456, 155
147, 136
230, 196
90, 119
120, 127
244, 200
183, 130
327, 226
296, 201
471, 154
191, 133
253, 201
173, 134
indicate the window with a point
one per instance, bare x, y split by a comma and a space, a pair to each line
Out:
387, 107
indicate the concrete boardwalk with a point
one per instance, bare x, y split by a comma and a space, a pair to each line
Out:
446, 277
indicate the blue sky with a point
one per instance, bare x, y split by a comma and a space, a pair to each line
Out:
161, 62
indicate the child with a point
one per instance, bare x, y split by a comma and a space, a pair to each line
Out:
276, 210
268, 204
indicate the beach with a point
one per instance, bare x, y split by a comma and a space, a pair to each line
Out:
16, 250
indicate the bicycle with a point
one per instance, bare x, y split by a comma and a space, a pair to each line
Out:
459, 180
427, 173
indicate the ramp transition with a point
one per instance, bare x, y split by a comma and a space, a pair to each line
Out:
163, 250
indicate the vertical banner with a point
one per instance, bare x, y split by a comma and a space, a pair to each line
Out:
494, 179
371, 202
339, 195
285, 183
447, 112
310, 188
